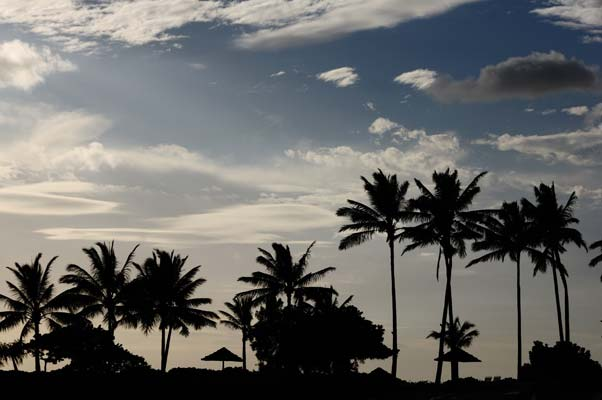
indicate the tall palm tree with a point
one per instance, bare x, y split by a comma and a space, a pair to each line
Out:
384, 214
34, 302
162, 295
508, 234
598, 258
553, 224
445, 221
102, 287
457, 336
240, 317
284, 276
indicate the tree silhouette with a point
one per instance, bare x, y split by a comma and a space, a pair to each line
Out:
14, 352
240, 317
386, 211
598, 258
162, 295
34, 302
445, 221
552, 223
508, 234
103, 287
457, 335
284, 276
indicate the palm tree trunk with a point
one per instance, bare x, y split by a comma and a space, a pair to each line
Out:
519, 361
441, 342
163, 350
36, 337
244, 352
394, 304
15, 366
567, 324
454, 364
558, 311
167, 342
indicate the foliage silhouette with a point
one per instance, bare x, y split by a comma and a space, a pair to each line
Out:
457, 336
552, 225
386, 211
240, 317
596, 260
445, 221
34, 302
284, 277
103, 288
14, 352
508, 234
162, 295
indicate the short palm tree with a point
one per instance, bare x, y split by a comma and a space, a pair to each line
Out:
553, 223
34, 302
457, 336
284, 276
14, 352
162, 295
598, 258
384, 214
446, 221
240, 317
103, 287
508, 234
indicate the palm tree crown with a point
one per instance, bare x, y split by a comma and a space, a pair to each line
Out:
596, 260
102, 287
284, 276
458, 335
240, 317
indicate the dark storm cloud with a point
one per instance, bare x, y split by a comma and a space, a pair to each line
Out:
535, 75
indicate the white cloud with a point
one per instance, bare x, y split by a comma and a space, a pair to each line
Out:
580, 147
576, 110
80, 26
277, 74
382, 125
198, 66
583, 15
24, 66
594, 115
341, 77
419, 79
548, 111
529, 109
370, 106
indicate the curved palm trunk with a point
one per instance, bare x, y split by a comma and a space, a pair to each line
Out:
454, 364
394, 304
519, 360
558, 311
244, 352
15, 366
165, 349
441, 342
448, 313
567, 324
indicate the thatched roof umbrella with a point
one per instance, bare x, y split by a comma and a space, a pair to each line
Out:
458, 355
222, 355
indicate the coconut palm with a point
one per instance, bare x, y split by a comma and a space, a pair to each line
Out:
508, 234
383, 215
445, 221
284, 276
102, 287
14, 352
553, 226
457, 335
162, 295
598, 258
34, 302
240, 317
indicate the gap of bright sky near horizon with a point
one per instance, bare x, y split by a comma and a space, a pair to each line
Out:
216, 127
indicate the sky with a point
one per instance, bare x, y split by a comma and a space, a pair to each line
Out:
216, 127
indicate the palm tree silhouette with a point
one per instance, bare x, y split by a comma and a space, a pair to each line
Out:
161, 295
457, 336
598, 258
284, 276
34, 302
552, 223
386, 211
445, 221
240, 317
13, 352
508, 234
103, 287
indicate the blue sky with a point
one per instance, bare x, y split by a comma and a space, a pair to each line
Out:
214, 127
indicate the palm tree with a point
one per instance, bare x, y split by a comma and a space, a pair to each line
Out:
13, 352
598, 258
445, 221
34, 302
509, 234
240, 317
102, 287
161, 295
457, 336
552, 223
384, 215
284, 276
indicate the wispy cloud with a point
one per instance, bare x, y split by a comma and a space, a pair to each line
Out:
340, 77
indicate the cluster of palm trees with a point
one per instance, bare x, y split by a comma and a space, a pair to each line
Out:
161, 294
442, 217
